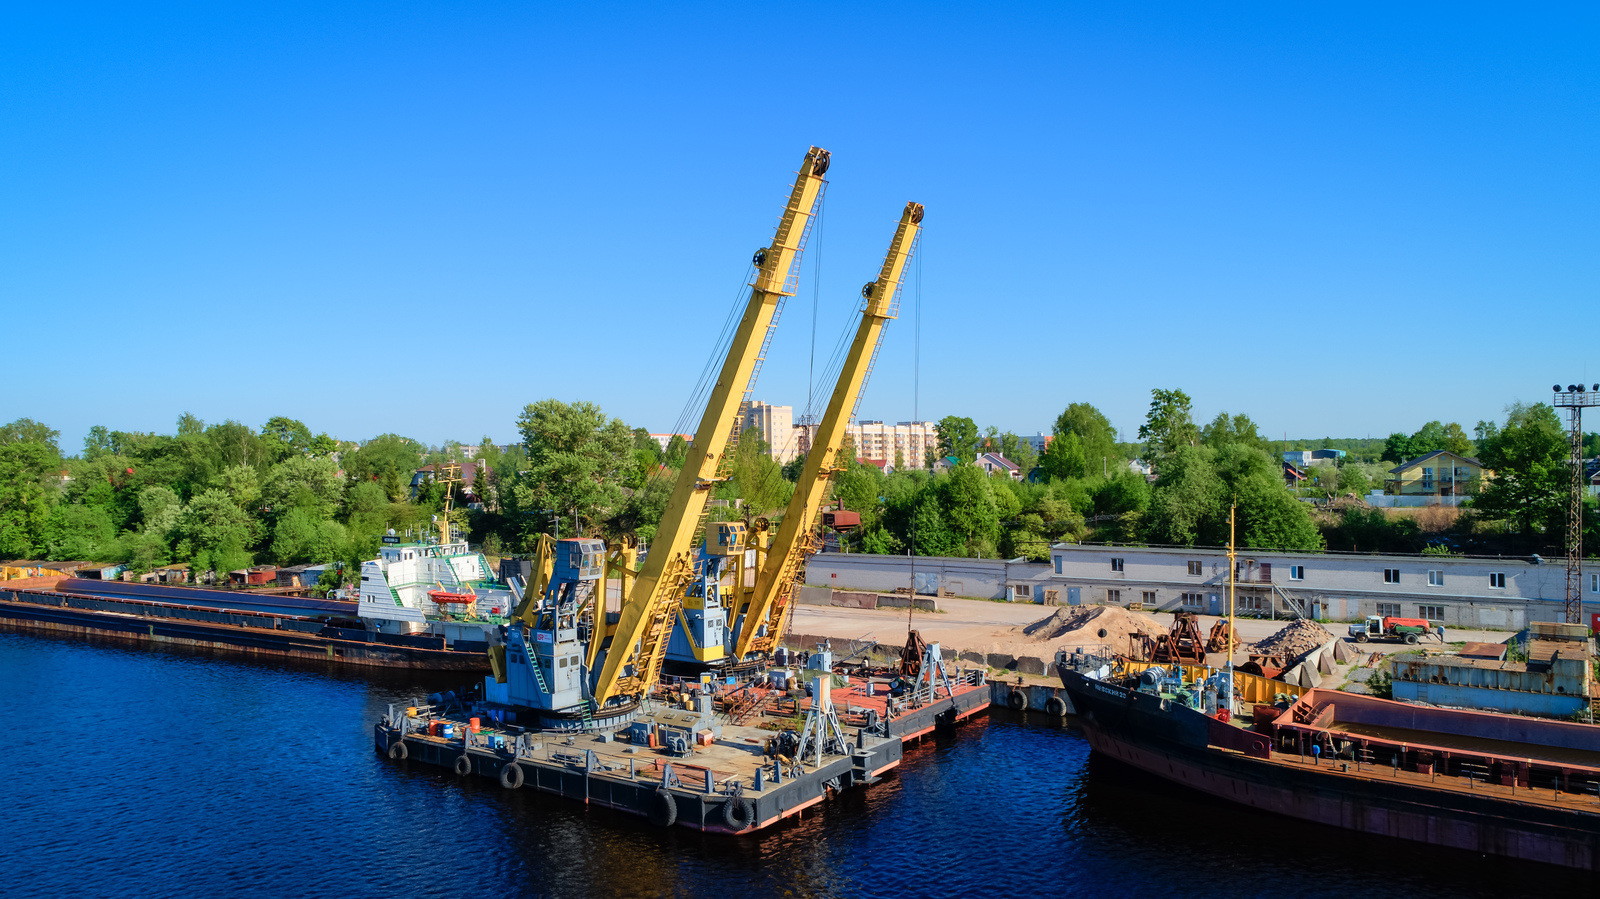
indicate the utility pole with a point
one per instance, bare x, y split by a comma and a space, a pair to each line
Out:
1574, 399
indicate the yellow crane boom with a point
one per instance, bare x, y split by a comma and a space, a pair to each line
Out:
634, 658
768, 612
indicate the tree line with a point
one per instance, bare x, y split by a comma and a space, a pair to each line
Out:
226, 495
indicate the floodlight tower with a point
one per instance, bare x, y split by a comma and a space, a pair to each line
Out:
1574, 399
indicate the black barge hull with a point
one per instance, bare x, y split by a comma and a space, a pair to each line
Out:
230, 631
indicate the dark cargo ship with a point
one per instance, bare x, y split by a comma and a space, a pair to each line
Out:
228, 621
1484, 782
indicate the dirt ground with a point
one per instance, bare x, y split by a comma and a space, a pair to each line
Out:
964, 624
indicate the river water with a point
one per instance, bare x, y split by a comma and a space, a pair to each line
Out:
155, 772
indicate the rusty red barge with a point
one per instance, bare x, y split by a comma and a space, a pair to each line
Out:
1495, 784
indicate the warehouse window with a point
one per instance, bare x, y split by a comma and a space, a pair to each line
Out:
1388, 610
1116, 564
1248, 603
1024, 590
1058, 564
1149, 597
1297, 572
1436, 577
1497, 580
1432, 613
1391, 576
1594, 583
1193, 600
1194, 569
1113, 596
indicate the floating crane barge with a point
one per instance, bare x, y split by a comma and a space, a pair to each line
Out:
695, 771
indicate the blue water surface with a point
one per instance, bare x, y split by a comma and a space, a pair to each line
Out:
160, 772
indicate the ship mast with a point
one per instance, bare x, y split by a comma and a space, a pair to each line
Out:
1233, 570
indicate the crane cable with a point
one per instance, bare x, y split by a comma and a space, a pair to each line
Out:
916, 415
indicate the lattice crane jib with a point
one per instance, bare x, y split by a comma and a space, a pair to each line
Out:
1575, 399
649, 609
772, 601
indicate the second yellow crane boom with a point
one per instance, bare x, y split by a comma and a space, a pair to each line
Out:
767, 614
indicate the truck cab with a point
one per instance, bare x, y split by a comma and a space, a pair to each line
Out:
1366, 630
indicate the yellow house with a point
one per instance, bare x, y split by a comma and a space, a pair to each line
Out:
1439, 473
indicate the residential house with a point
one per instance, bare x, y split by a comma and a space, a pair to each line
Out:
1439, 473
994, 462
469, 474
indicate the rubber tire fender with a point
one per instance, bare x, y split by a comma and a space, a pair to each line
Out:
664, 808
1017, 700
1056, 706
398, 751
463, 765
511, 776
738, 813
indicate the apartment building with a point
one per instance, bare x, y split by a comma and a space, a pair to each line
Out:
777, 428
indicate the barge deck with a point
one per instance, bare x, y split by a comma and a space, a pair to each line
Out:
730, 786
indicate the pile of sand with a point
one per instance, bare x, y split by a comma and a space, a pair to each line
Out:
1087, 626
1294, 640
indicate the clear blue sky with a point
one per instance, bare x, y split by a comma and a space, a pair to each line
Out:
1342, 220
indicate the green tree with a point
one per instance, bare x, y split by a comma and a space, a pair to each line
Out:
677, 451
1064, 458
1124, 492
1397, 448
931, 534
300, 537
757, 478
577, 457
1226, 429
214, 532
958, 438
303, 482
1353, 480
26, 496
78, 533
1531, 475
283, 437
1186, 500
1168, 425
969, 510
26, 430
1097, 438
159, 508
